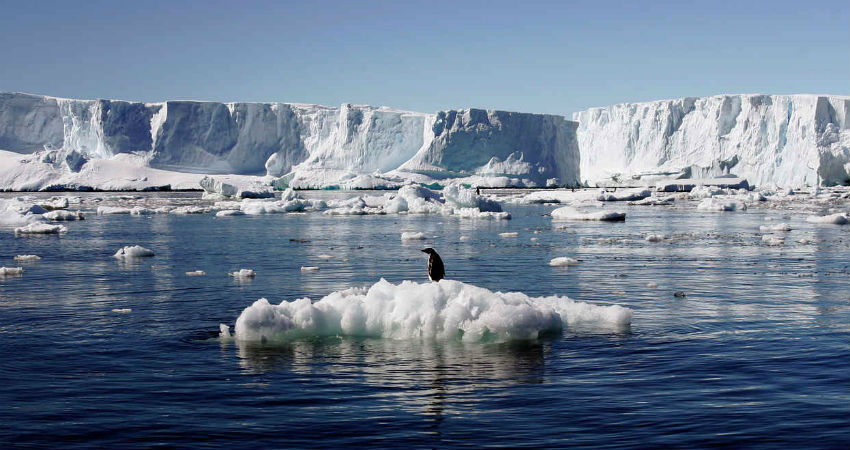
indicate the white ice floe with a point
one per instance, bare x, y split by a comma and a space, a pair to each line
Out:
624, 195
107, 210
41, 228
411, 236
562, 261
654, 238
185, 210
27, 258
464, 238
507, 234
229, 213
324, 256
652, 285
17, 212
770, 239
570, 213
655, 201
309, 268
11, 271
714, 204
446, 310
122, 310
243, 273
836, 219
196, 273
60, 215
133, 251
778, 227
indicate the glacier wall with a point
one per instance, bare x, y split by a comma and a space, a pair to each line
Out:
321, 145
783, 140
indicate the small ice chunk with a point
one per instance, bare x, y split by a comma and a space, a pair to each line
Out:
27, 258
133, 251
509, 234
652, 285
836, 219
106, 210
411, 236
11, 271
41, 228
229, 212
770, 239
778, 227
196, 273
224, 332
243, 273
464, 238
714, 204
534, 239
655, 238
562, 261
309, 268
63, 215
325, 256
570, 213
122, 310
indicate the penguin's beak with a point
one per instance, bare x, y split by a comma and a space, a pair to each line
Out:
423, 251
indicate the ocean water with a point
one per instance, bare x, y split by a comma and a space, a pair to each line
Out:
756, 355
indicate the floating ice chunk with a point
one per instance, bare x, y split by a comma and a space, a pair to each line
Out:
475, 213
325, 256
309, 268
27, 258
706, 192
563, 261
63, 215
447, 310
17, 212
460, 197
243, 273
509, 234
191, 210
11, 271
224, 332
217, 189
655, 201
624, 195
139, 211
770, 239
836, 219
133, 251
411, 236
655, 238
464, 238
41, 228
229, 213
570, 213
196, 273
55, 203
778, 227
652, 285
106, 210
122, 310
713, 204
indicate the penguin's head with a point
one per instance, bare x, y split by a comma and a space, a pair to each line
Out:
429, 251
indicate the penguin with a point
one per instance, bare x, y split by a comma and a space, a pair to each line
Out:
436, 271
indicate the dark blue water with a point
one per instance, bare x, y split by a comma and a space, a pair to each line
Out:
756, 355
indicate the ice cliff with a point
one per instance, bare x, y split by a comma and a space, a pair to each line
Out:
68, 142
784, 140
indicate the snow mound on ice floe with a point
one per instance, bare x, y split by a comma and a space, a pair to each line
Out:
570, 213
447, 309
133, 251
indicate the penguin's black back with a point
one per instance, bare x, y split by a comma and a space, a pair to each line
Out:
436, 271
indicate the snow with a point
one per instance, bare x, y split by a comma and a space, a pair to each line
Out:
443, 310
41, 228
784, 140
570, 213
27, 258
562, 261
11, 271
836, 219
133, 251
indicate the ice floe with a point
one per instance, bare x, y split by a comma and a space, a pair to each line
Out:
196, 273
309, 268
562, 261
133, 251
446, 310
243, 273
836, 219
60, 215
41, 228
27, 258
778, 227
570, 213
11, 271
412, 236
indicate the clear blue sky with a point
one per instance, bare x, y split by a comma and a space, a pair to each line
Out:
552, 57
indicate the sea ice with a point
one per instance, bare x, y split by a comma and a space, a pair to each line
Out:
63, 215
562, 261
655, 238
243, 273
41, 228
27, 258
570, 213
229, 212
770, 239
411, 236
447, 309
196, 273
509, 234
11, 271
713, 204
133, 251
309, 268
836, 219
778, 227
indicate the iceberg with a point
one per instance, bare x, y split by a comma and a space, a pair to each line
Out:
784, 140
